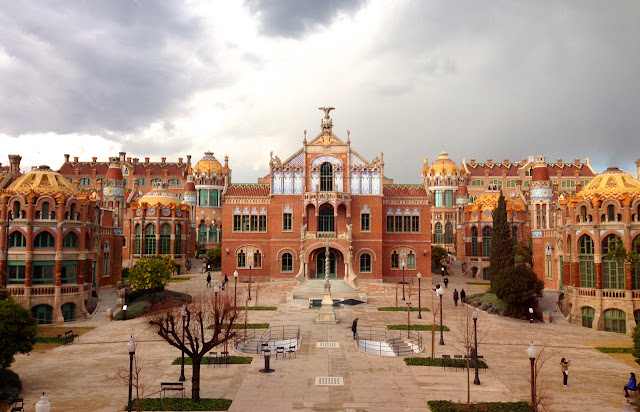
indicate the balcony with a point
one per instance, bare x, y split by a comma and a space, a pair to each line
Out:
326, 235
326, 197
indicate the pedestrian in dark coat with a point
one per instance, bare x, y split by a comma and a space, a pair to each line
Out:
446, 282
208, 280
354, 327
455, 296
463, 295
226, 282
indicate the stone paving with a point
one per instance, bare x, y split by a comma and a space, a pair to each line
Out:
78, 377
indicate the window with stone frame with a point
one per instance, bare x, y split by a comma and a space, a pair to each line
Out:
287, 262
474, 241
415, 224
587, 266
326, 177
43, 273
365, 222
69, 271
44, 240
487, 231
287, 222
365, 263
165, 239
390, 224
395, 260
17, 240
16, 273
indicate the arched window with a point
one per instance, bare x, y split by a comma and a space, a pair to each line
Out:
486, 241
70, 241
365, 263
326, 220
583, 213
72, 212
587, 267
395, 260
497, 183
45, 214
587, 316
136, 247
474, 241
511, 183
635, 270
287, 262
43, 314
615, 320
69, 312
326, 177
242, 259
611, 213
177, 248
257, 259
17, 239
16, 210
165, 239
213, 233
44, 240
437, 236
612, 269
411, 260
448, 233
150, 239
202, 233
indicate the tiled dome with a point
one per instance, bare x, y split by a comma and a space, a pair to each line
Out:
613, 183
160, 194
43, 181
443, 166
208, 165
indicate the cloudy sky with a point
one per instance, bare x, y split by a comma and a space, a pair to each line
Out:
479, 79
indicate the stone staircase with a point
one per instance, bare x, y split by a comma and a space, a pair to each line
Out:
548, 303
401, 348
314, 288
108, 298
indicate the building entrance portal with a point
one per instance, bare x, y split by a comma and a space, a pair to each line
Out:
321, 262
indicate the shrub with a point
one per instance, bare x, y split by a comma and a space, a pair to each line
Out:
448, 406
208, 360
150, 273
419, 361
417, 327
10, 385
615, 350
519, 287
399, 309
181, 404
636, 341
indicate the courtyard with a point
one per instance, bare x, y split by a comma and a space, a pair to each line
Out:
80, 377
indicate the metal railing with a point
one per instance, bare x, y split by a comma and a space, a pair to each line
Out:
381, 341
286, 335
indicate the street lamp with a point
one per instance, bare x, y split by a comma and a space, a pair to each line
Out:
532, 352
440, 293
442, 268
250, 262
474, 315
235, 289
183, 314
403, 264
43, 404
216, 289
131, 348
419, 275
408, 319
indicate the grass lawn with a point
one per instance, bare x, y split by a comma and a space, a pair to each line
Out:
207, 360
180, 404
419, 361
479, 283
179, 279
47, 336
417, 327
614, 350
448, 406
399, 309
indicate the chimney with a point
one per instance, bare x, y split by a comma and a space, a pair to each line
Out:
524, 160
146, 160
226, 162
638, 166
75, 159
66, 158
180, 160
576, 161
189, 160
555, 186
164, 159
578, 187
122, 156
14, 164
489, 161
94, 159
129, 159
506, 160
559, 160
473, 161
135, 160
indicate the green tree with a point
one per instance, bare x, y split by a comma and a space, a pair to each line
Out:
501, 256
17, 329
149, 273
524, 252
519, 287
214, 256
437, 254
636, 341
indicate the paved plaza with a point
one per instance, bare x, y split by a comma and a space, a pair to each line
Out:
78, 377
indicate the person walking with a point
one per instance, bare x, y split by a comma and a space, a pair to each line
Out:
446, 282
208, 280
354, 327
226, 282
455, 296
564, 366
463, 295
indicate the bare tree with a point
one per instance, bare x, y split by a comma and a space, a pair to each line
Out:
465, 342
139, 363
541, 385
196, 339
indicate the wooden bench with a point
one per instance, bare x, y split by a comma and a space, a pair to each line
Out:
171, 386
69, 336
17, 405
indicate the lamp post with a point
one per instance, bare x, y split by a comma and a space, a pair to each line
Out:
408, 318
419, 275
532, 352
216, 289
183, 314
440, 293
403, 263
235, 289
131, 348
474, 314
43, 404
442, 269
250, 262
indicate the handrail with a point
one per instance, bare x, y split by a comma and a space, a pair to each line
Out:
290, 333
382, 341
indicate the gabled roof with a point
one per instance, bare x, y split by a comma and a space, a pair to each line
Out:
400, 190
248, 190
156, 168
494, 169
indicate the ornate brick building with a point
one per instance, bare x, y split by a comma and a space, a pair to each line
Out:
58, 244
326, 194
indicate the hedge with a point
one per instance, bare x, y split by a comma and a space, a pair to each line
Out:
417, 327
448, 406
399, 309
10, 385
180, 404
417, 361
615, 350
249, 326
208, 360
257, 308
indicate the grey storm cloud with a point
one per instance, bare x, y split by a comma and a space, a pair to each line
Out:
89, 66
294, 18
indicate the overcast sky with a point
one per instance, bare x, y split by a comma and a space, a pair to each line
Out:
479, 79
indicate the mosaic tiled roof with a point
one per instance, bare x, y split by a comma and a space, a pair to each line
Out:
248, 190
208, 164
156, 168
443, 165
159, 194
494, 169
489, 201
42, 181
404, 191
611, 184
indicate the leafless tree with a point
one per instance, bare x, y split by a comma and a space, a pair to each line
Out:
139, 363
201, 314
541, 384
465, 341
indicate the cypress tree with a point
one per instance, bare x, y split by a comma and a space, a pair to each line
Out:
501, 258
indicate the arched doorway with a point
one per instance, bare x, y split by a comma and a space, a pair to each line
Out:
321, 265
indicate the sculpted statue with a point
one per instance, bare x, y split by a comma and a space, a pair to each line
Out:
326, 111
303, 232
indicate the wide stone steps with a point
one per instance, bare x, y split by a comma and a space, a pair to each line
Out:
108, 300
314, 288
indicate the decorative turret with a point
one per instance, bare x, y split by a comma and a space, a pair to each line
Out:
113, 189
190, 192
540, 182
462, 196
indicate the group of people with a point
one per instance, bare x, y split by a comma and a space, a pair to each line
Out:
632, 385
225, 280
462, 295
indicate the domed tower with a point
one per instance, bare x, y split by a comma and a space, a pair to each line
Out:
442, 179
113, 190
211, 181
542, 239
190, 194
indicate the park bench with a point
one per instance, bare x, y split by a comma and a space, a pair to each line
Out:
171, 386
69, 336
17, 405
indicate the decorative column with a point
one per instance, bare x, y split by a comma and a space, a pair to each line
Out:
597, 259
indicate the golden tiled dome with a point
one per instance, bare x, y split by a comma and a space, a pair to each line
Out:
159, 194
43, 181
443, 165
613, 183
208, 165
489, 201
